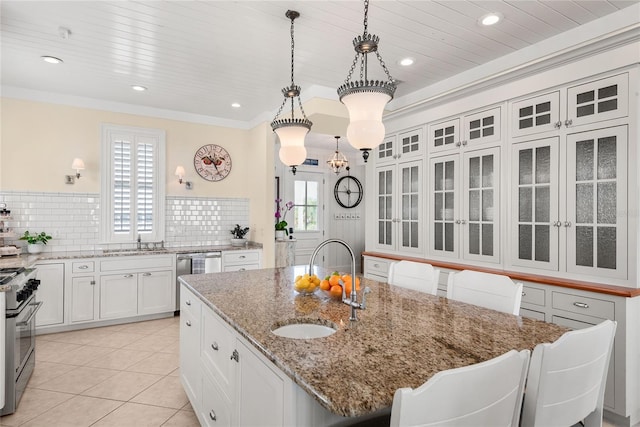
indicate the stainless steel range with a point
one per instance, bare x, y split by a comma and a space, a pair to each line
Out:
20, 286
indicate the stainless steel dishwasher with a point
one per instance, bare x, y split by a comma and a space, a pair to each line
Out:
196, 263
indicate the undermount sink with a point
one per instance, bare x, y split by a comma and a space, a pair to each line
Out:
132, 251
303, 331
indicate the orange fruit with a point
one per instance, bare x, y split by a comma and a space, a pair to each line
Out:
325, 285
335, 291
334, 281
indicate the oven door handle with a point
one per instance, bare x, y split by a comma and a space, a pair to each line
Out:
33, 313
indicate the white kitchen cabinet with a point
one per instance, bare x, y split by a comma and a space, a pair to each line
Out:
156, 292
399, 190
574, 228
465, 205
118, 296
536, 114
376, 268
84, 298
190, 331
241, 260
401, 146
51, 294
215, 409
217, 347
466, 132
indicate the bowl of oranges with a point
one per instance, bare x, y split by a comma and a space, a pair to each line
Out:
332, 285
306, 284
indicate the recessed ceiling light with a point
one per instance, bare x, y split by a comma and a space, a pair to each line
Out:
490, 19
236, 105
138, 88
405, 62
51, 59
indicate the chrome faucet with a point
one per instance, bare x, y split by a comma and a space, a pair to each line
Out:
352, 301
139, 241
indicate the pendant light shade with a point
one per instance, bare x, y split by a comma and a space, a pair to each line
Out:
338, 160
365, 99
292, 130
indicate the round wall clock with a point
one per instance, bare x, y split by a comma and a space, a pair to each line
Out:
348, 191
212, 162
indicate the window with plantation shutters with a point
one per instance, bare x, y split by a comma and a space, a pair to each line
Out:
132, 187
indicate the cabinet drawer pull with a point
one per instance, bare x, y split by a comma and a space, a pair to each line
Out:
146, 274
83, 267
524, 293
214, 346
242, 269
581, 304
128, 276
376, 265
93, 283
235, 356
212, 415
188, 302
242, 257
188, 322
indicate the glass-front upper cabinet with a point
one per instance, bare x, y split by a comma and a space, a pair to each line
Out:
466, 132
465, 205
599, 100
535, 115
402, 146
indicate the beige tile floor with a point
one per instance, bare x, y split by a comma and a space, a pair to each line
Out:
114, 376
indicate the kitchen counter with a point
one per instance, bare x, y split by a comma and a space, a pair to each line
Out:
26, 260
402, 338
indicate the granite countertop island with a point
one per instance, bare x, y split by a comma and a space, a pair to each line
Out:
401, 339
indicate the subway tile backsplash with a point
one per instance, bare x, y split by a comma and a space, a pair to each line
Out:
73, 219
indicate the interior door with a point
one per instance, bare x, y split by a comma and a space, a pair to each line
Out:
307, 221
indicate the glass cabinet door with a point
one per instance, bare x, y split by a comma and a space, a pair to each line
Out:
596, 220
443, 206
444, 136
385, 216
410, 205
536, 115
603, 99
479, 220
535, 204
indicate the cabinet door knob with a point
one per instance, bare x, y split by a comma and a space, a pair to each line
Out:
235, 356
214, 346
558, 124
568, 122
457, 221
188, 322
93, 282
458, 144
567, 223
187, 302
524, 293
212, 415
463, 221
128, 276
557, 224
83, 267
464, 143
146, 274
242, 257
581, 304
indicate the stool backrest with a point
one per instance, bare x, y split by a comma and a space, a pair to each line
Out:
414, 275
493, 291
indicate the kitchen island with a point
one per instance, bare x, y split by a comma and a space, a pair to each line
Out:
401, 339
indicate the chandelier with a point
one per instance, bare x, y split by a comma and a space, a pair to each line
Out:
291, 131
365, 99
338, 160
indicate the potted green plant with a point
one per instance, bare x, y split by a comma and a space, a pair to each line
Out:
35, 242
238, 235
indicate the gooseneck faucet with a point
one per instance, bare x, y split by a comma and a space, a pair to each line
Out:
352, 301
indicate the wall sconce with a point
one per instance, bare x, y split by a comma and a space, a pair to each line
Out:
180, 174
78, 165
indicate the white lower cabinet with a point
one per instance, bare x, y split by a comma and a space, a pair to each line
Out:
241, 260
51, 294
155, 291
83, 299
376, 268
118, 296
190, 331
215, 409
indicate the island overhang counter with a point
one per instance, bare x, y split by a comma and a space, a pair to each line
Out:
401, 339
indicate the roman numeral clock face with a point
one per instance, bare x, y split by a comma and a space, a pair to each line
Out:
212, 162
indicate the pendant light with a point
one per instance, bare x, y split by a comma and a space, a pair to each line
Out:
338, 160
291, 131
365, 99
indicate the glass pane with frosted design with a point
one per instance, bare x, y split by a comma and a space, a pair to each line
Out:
438, 206
607, 158
438, 236
487, 239
487, 205
388, 233
448, 206
414, 179
474, 172
381, 232
525, 166
584, 246
607, 203
525, 204
584, 160
448, 237
608, 105
438, 176
414, 234
448, 175
381, 182
406, 202
543, 244
606, 92
381, 207
474, 239
543, 165
606, 247
389, 183
584, 203
543, 204
389, 208
414, 206
474, 205
406, 180
487, 171
525, 239
405, 234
